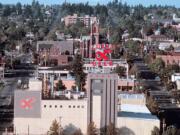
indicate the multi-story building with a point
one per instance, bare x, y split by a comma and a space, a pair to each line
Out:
103, 105
55, 52
69, 20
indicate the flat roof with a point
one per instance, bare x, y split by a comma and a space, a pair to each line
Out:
137, 115
135, 108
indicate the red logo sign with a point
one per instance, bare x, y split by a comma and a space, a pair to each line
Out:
27, 103
103, 55
102, 58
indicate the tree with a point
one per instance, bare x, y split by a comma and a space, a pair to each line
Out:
56, 128
60, 86
120, 71
78, 70
92, 129
152, 105
133, 47
157, 66
171, 86
6, 11
155, 131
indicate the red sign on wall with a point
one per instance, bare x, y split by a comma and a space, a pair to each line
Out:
27, 103
102, 55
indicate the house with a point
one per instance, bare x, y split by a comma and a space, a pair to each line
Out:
158, 38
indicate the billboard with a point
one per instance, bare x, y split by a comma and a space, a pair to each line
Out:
27, 104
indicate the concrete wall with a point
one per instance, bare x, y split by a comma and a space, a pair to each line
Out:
136, 126
70, 113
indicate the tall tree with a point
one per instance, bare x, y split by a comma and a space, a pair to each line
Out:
78, 70
120, 71
56, 128
60, 86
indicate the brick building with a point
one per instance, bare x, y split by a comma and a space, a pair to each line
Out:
170, 59
55, 52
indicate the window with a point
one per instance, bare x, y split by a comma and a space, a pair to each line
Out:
55, 106
50, 106
69, 106
74, 106
82, 106
61, 106
44, 106
78, 106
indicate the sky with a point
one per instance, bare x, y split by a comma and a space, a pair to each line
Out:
93, 2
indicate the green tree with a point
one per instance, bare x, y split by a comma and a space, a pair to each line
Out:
133, 47
157, 66
78, 70
152, 105
92, 129
6, 11
60, 86
56, 129
120, 71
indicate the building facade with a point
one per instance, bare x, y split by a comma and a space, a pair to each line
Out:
102, 99
86, 20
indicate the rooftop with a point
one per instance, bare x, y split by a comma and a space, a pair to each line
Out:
135, 108
137, 115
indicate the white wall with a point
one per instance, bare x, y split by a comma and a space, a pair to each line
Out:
63, 114
96, 117
137, 126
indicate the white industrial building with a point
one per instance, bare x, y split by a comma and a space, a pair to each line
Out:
76, 113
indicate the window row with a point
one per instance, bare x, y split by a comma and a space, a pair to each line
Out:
70, 106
